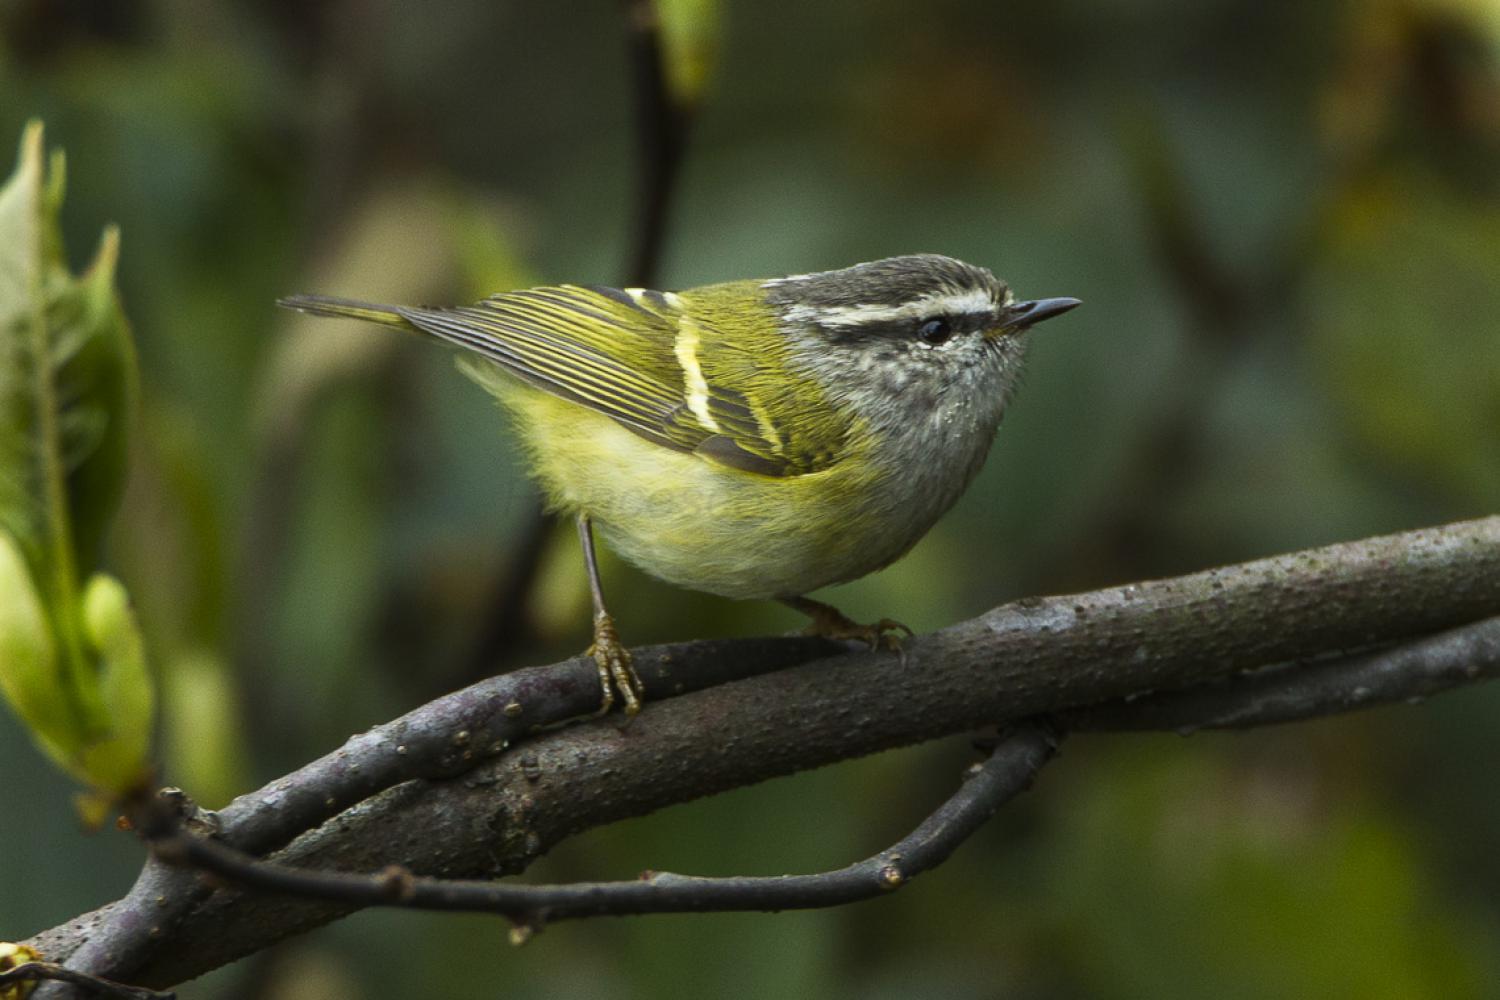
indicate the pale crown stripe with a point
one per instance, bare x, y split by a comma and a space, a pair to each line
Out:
936, 304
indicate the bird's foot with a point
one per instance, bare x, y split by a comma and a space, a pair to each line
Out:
829, 622
616, 669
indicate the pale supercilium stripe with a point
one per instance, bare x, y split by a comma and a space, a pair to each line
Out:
937, 304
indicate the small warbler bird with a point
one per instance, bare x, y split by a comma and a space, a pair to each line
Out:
752, 439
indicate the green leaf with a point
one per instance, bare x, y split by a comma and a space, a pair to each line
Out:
22, 307
70, 662
28, 656
67, 381
99, 376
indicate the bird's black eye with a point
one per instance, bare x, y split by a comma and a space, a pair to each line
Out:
935, 330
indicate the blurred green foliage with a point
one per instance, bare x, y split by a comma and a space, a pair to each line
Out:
689, 32
1283, 219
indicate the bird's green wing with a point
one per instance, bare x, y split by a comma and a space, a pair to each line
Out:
634, 356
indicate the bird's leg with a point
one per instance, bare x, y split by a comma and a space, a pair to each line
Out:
831, 623
615, 669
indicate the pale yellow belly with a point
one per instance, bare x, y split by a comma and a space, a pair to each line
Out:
706, 527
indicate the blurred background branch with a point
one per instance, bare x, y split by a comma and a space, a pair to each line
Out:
662, 115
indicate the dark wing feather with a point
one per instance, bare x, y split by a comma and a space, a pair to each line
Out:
564, 366
572, 342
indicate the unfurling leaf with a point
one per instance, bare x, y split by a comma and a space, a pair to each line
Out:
118, 760
71, 663
67, 379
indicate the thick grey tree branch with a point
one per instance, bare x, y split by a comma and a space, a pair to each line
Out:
1031, 657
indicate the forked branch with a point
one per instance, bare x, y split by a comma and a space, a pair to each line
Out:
1365, 612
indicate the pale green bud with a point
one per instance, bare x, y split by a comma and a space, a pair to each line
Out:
118, 762
106, 746
29, 672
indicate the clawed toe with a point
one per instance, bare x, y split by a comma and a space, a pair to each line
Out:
829, 622
616, 668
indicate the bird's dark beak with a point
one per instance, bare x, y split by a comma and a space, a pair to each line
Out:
1024, 315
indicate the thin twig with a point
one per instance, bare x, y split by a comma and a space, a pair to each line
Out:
661, 125
1405, 673
1225, 309
1009, 770
506, 629
661, 129
34, 972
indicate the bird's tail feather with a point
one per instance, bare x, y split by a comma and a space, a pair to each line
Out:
323, 305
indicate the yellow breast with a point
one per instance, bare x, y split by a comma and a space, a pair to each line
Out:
701, 525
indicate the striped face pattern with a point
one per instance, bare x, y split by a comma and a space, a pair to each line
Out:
893, 298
